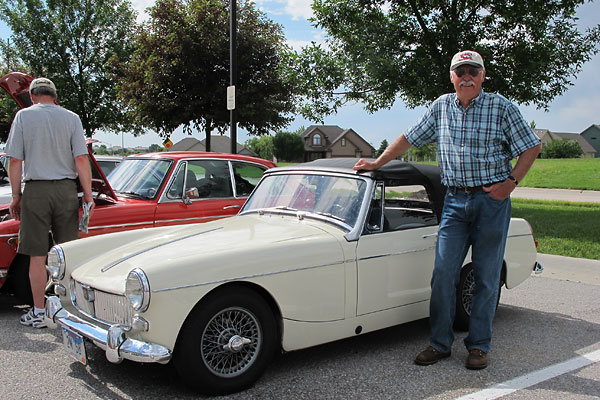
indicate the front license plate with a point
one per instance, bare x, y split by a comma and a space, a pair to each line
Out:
74, 345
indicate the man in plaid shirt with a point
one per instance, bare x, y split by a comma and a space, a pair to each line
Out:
478, 134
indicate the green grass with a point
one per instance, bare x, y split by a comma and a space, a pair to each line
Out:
567, 173
572, 173
562, 228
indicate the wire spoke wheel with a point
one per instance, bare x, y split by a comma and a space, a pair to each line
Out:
231, 342
468, 291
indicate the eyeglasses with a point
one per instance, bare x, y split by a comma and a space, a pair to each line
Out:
473, 71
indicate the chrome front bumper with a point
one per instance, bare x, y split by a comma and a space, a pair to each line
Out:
114, 340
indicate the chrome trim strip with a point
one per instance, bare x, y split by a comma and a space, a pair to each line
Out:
127, 257
193, 219
121, 225
253, 276
9, 235
396, 254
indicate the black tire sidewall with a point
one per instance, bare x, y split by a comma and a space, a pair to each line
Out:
187, 357
461, 319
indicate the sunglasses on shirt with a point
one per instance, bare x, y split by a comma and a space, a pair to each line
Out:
473, 71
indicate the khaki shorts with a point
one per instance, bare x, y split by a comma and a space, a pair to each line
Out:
48, 206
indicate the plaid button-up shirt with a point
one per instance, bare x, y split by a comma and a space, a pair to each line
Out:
476, 144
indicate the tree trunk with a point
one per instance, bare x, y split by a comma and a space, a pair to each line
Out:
207, 141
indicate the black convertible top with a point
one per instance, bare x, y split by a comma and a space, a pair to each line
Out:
395, 171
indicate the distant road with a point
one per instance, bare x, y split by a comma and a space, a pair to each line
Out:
587, 196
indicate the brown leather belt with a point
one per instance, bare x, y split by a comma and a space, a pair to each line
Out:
466, 189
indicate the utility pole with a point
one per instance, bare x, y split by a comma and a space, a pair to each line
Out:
232, 77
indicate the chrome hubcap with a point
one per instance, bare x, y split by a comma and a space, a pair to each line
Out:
236, 343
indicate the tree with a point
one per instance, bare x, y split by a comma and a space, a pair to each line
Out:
71, 42
424, 153
101, 150
288, 146
155, 148
180, 69
377, 51
263, 146
384, 145
563, 148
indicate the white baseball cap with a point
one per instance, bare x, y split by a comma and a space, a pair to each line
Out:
466, 57
41, 82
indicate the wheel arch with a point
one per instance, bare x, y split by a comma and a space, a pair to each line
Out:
257, 289
502, 271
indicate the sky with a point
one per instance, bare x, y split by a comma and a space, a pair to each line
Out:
573, 112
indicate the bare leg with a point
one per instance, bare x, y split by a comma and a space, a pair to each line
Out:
38, 279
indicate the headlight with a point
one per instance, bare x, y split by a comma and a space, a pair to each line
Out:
137, 290
56, 263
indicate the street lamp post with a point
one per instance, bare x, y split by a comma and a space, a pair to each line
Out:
233, 75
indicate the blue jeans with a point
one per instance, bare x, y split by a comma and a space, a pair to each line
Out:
468, 220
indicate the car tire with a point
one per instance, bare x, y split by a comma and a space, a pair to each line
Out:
464, 298
227, 342
19, 280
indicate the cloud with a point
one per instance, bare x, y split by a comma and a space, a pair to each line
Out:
299, 9
140, 6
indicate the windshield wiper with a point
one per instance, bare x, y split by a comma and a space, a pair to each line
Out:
286, 208
326, 214
134, 194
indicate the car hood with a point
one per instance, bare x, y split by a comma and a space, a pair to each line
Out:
16, 84
229, 249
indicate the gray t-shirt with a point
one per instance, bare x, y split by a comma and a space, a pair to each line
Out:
47, 138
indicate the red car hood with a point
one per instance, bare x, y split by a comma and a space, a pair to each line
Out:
16, 84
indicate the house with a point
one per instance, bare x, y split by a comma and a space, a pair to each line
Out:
331, 141
218, 144
592, 135
547, 136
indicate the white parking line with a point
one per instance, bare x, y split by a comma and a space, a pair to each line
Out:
533, 378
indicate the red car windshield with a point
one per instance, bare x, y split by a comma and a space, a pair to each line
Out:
140, 178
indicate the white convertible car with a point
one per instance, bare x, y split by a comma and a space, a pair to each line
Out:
318, 253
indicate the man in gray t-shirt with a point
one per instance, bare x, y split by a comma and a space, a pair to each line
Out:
46, 142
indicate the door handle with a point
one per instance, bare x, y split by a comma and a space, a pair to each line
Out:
234, 206
430, 235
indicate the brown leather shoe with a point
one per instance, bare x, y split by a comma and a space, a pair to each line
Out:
477, 359
430, 356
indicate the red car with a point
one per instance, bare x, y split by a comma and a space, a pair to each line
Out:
144, 191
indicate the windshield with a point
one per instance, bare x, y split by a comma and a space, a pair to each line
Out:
329, 196
138, 177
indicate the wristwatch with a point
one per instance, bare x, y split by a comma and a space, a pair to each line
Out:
513, 179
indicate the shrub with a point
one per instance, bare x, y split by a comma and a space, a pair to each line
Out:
564, 148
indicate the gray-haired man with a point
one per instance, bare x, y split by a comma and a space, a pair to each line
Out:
47, 143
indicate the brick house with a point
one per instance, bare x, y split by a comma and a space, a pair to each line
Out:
331, 141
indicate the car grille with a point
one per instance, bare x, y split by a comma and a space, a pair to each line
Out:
107, 307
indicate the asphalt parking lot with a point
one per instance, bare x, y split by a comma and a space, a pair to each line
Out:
546, 345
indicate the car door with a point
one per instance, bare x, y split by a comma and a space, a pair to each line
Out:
209, 192
395, 254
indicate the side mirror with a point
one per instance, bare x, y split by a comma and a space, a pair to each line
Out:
190, 194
